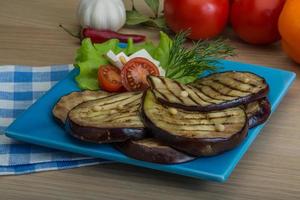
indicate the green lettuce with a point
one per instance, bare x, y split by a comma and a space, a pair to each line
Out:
162, 52
90, 57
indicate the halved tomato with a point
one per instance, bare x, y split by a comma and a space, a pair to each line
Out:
109, 78
134, 73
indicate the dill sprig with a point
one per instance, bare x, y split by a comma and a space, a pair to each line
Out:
186, 64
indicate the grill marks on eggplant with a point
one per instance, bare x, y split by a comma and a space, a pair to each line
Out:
68, 102
233, 84
196, 124
112, 119
204, 118
170, 91
214, 92
152, 150
119, 110
194, 132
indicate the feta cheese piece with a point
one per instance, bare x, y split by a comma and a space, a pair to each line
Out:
117, 60
121, 58
144, 54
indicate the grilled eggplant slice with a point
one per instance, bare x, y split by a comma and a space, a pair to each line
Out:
152, 150
214, 92
111, 119
68, 102
258, 112
196, 133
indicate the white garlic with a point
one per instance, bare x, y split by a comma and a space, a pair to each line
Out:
102, 14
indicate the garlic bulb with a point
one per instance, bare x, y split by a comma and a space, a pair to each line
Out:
102, 14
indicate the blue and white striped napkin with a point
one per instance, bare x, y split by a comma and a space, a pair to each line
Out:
20, 86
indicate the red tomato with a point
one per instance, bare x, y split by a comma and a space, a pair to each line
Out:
255, 21
134, 74
109, 78
205, 18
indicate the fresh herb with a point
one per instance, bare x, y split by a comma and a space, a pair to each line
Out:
134, 17
187, 64
181, 63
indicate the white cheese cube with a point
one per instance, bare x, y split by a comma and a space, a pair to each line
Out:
116, 60
144, 54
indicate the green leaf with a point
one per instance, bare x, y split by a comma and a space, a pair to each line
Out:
132, 48
112, 44
181, 64
163, 50
158, 22
89, 58
133, 17
154, 5
186, 64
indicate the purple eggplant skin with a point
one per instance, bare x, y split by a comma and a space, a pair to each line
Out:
161, 155
103, 135
61, 107
221, 106
262, 115
196, 146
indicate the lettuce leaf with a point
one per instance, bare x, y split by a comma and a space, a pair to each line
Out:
90, 57
161, 53
132, 48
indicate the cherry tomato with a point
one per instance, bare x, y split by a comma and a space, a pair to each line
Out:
255, 21
109, 78
205, 18
134, 74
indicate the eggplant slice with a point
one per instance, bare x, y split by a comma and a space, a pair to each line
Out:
68, 102
214, 92
152, 150
258, 112
111, 119
196, 133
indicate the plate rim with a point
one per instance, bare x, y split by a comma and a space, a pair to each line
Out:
290, 76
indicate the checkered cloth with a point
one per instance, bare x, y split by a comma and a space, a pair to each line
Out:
20, 86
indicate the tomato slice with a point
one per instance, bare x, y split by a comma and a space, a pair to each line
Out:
135, 71
109, 78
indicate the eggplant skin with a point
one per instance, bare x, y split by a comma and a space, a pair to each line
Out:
262, 115
67, 102
118, 126
221, 106
240, 101
216, 106
103, 135
161, 154
196, 146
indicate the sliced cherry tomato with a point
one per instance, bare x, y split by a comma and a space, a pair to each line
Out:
134, 74
109, 78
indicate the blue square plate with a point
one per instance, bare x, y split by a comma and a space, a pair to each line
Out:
37, 126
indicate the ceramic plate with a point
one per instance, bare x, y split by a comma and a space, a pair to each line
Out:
37, 126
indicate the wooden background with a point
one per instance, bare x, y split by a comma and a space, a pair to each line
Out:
29, 35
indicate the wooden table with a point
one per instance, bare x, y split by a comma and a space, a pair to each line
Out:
29, 35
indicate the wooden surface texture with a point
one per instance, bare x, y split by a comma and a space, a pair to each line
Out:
29, 35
